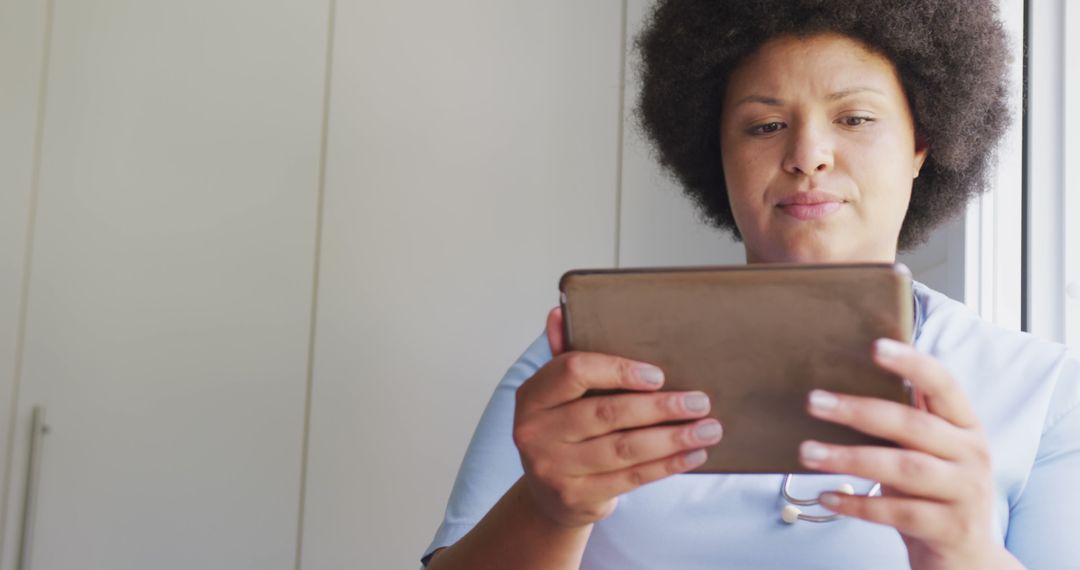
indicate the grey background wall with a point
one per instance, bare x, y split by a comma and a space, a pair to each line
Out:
263, 263
472, 157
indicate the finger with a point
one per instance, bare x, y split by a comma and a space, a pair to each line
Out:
912, 472
587, 418
910, 427
568, 376
944, 397
623, 481
618, 451
917, 518
555, 331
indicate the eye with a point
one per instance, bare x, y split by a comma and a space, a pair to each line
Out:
766, 128
855, 121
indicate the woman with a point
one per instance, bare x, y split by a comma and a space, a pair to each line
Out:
815, 131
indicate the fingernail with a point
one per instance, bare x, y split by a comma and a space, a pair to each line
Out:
696, 402
822, 400
695, 458
650, 375
888, 348
708, 431
829, 500
813, 452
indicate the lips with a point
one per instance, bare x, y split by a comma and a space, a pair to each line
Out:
810, 205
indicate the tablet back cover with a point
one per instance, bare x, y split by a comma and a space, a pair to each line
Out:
756, 339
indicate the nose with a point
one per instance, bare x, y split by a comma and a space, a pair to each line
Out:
809, 152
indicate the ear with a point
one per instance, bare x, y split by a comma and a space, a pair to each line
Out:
922, 148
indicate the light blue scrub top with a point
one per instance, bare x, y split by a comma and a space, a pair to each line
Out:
1025, 390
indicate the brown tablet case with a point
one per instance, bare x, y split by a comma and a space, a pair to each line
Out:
756, 339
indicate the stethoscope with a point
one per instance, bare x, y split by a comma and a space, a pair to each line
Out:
792, 513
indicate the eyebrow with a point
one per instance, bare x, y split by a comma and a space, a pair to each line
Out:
848, 92
774, 102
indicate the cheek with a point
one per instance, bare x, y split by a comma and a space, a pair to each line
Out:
734, 164
746, 174
883, 168
743, 179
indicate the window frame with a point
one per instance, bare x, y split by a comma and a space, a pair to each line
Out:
1071, 174
992, 254
1047, 266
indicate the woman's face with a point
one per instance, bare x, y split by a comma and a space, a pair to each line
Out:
819, 151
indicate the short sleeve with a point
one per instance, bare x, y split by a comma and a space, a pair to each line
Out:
491, 464
1043, 529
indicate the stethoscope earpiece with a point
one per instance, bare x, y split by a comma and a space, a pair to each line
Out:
792, 514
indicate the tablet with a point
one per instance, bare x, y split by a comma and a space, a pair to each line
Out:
755, 338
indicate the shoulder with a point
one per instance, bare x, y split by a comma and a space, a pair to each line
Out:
948, 327
994, 362
534, 358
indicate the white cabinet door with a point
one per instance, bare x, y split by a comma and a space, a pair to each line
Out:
22, 41
472, 159
170, 286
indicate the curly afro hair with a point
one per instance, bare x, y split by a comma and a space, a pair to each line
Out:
951, 56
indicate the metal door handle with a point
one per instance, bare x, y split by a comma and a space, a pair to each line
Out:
38, 430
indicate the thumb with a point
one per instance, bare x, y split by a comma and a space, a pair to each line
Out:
555, 331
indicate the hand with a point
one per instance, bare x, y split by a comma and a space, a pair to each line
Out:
579, 454
937, 488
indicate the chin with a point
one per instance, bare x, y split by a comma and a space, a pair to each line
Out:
800, 253
818, 256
